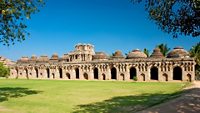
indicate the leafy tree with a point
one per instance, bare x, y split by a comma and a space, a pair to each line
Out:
163, 49
13, 14
195, 53
4, 71
146, 51
174, 16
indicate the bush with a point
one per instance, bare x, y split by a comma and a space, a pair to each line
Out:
135, 78
4, 71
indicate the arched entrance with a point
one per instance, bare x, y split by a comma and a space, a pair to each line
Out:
122, 76
85, 75
77, 73
36, 71
165, 77
96, 73
133, 73
154, 73
103, 76
113, 73
177, 73
60, 72
48, 73
189, 78
68, 76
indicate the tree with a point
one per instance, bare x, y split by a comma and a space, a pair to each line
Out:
175, 16
13, 14
163, 49
195, 53
146, 51
4, 71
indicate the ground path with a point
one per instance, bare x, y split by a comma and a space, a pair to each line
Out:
188, 102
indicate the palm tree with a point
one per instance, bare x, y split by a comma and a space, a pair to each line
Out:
163, 49
195, 53
146, 51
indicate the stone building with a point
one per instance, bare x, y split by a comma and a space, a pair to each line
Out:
85, 64
6, 62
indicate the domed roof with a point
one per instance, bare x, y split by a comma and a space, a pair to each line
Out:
178, 52
54, 56
99, 55
43, 58
156, 53
24, 59
118, 54
136, 54
33, 57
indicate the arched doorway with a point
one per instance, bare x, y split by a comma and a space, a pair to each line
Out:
142, 77
189, 78
68, 76
103, 76
133, 73
36, 71
77, 73
96, 73
154, 73
85, 75
177, 73
48, 73
113, 73
165, 77
60, 72
122, 76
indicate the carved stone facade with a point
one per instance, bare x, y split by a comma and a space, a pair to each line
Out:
84, 64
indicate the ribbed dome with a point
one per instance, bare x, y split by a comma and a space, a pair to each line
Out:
43, 58
156, 53
99, 55
118, 54
178, 52
24, 58
136, 54
33, 57
54, 56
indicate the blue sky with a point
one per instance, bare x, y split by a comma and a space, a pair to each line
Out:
110, 25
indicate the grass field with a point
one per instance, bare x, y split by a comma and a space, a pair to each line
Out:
56, 96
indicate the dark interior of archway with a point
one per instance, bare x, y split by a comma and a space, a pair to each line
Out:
48, 73
60, 71
132, 73
36, 70
113, 73
177, 73
95, 73
154, 73
104, 77
77, 73
85, 76
68, 76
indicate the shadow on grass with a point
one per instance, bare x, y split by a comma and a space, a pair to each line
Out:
125, 104
15, 92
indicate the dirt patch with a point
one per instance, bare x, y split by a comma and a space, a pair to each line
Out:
188, 102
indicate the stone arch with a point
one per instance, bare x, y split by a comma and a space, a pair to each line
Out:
189, 78
165, 77
113, 73
96, 73
77, 73
103, 76
133, 73
85, 75
177, 73
36, 72
61, 72
142, 77
122, 76
154, 73
68, 76
48, 73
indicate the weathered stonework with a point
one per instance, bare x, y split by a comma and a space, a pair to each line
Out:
84, 64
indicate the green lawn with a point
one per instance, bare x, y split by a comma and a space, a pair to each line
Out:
56, 96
